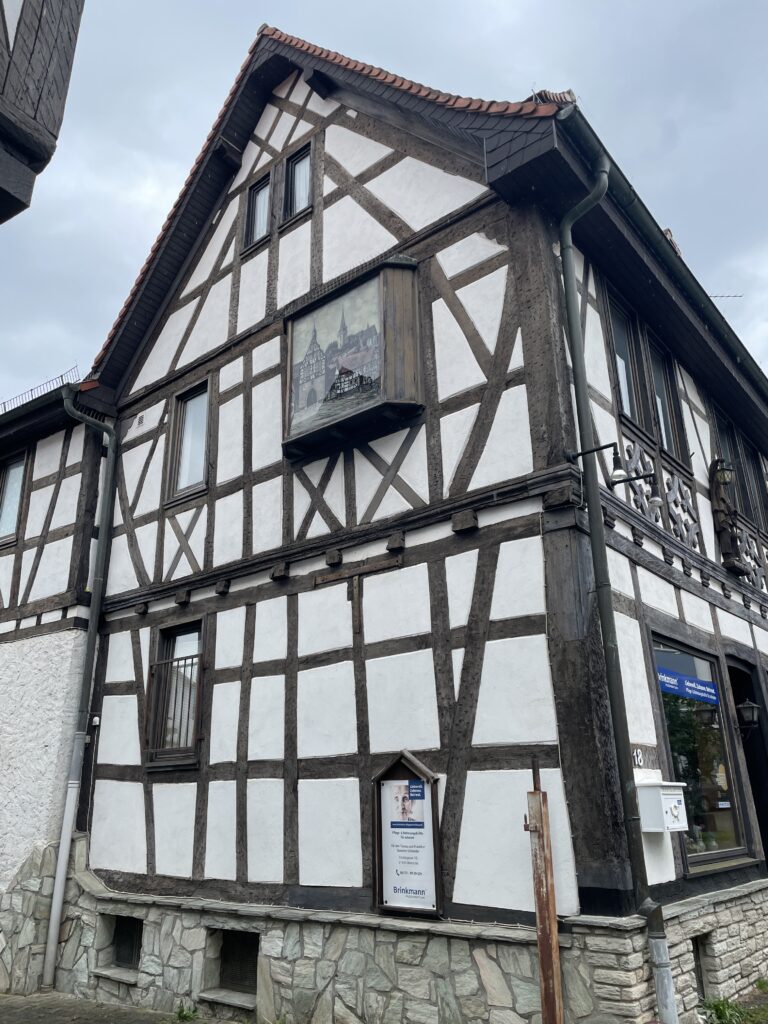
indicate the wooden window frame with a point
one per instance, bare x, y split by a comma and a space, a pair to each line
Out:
9, 539
250, 240
289, 213
173, 494
699, 863
160, 758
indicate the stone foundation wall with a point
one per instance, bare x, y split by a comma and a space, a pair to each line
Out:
25, 907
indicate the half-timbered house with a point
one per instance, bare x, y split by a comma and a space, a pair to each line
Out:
349, 548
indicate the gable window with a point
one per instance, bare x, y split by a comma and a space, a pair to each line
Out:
11, 478
297, 183
174, 699
694, 714
257, 218
191, 442
624, 345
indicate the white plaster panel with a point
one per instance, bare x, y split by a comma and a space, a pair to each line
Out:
414, 468
656, 592
230, 630
389, 445
220, 858
267, 421
657, 846
326, 717
519, 585
266, 355
120, 667
516, 359
429, 534
264, 809
696, 611
250, 153
212, 251
707, 527
119, 730
484, 301
468, 252
133, 461
27, 560
39, 502
252, 302
163, 349
174, 806
620, 573
228, 529
515, 703
334, 492
301, 501
146, 540
392, 504
325, 620
225, 712
354, 152
501, 458
212, 326
293, 264
284, 88
12, 14
76, 440
493, 866
328, 185
595, 355
270, 638
231, 374
761, 639
320, 106
735, 628
268, 515
282, 130
265, 121
396, 603
118, 829
367, 479
637, 697
53, 571
6, 577
457, 658
402, 702
421, 193
229, 463
329, 832
605, 425
144, 637
455, 430
457, 368
48, 455
699, 443
65, 511
460, 577
351, 236
41, 687
266, 718
152, 488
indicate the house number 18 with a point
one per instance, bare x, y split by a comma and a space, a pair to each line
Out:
637, 757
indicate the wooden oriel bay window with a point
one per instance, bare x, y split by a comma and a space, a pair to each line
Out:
174, 696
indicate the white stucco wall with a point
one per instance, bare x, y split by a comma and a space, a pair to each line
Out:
40, 684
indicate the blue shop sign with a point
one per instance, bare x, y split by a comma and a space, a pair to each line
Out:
687, 686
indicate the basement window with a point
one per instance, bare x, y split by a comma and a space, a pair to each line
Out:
126, 944
238, 964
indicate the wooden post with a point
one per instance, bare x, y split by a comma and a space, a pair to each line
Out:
537, 824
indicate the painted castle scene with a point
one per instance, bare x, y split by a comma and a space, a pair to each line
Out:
336, 359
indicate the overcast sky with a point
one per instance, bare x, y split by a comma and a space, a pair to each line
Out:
675, 89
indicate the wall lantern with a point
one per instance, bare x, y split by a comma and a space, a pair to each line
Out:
749, 715
619, 474
723, 472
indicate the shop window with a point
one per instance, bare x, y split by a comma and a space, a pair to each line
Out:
354, 363
11, 479
174, 697
694, 716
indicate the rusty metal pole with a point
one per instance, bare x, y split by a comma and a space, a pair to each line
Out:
537, 824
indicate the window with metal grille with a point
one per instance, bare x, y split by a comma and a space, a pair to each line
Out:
174, 701
239, 960
126, 943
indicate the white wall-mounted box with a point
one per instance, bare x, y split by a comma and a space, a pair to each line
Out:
662, 807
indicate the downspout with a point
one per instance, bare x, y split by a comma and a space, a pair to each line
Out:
650, 910
78, 748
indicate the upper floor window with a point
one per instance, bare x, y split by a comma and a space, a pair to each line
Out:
297, 182
257, 218
645, 380
190, 441
745, 459
174, 696
11, 478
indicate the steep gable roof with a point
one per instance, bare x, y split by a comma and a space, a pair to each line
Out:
272, 55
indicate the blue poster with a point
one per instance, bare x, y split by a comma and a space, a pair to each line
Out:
687, 686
